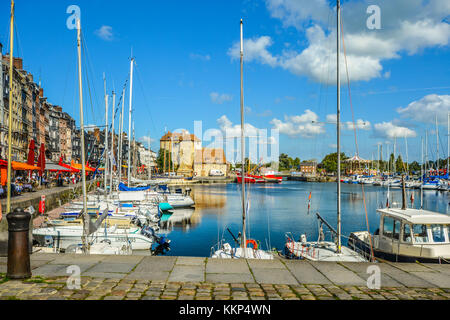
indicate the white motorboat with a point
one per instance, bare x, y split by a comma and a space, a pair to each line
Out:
407, 235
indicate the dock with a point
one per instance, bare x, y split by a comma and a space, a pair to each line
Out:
187, 278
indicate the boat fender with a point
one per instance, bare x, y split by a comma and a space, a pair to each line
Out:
253, 243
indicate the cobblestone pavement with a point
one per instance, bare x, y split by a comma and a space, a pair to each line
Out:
39, 288
178, 278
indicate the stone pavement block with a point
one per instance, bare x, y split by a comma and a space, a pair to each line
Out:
113, 267
150, 264
187, 274
73, 259
444, 268
361, 270
55, 270
405, 278
108, 275
439, 279
44, 256
268, 264
191, 261
411, 267
37, 263
149, 275
273, 276
338, 274
122, 259
227, 266
229, 278
306, 273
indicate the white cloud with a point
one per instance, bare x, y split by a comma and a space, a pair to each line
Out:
234, 131
426, 109
220, 98
195, 56
389, 130
407, 26
304, 125
105, 33
360, 124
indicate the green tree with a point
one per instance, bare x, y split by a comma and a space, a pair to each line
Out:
400, 166
296, 163
329, 163
285, 162
414, 167
160, 160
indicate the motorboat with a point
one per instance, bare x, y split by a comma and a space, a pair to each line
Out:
407, 235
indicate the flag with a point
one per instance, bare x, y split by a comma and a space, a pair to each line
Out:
412, 199
309, 201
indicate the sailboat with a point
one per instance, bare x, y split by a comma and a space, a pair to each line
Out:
322, 250
225, 250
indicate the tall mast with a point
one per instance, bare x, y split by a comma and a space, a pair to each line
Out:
407, 157
338, 8
121, 136
421, 180
129, 122
448, 144
426, 152
83, 155
112, 141
244, 237
11, 67
106, 155
437, 144
150, 158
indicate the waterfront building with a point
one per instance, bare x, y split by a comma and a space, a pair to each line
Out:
182, 148
209, 160
308, 168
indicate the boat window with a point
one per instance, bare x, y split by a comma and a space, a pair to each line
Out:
397, 225
388, 227
438, 233
420, 233
407, 233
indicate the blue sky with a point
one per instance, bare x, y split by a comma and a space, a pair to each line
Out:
186, 68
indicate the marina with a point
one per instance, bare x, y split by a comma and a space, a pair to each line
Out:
173, 182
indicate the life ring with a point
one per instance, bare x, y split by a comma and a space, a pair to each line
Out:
252, 242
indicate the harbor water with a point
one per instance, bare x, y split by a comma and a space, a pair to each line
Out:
277, 209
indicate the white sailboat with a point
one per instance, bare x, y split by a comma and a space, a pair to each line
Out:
322, 250
225, 250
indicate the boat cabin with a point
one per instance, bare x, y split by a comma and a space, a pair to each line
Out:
413, 233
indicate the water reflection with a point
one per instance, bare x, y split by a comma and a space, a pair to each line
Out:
277, 209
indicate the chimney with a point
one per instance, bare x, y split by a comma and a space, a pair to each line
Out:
18, 63
41, 92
